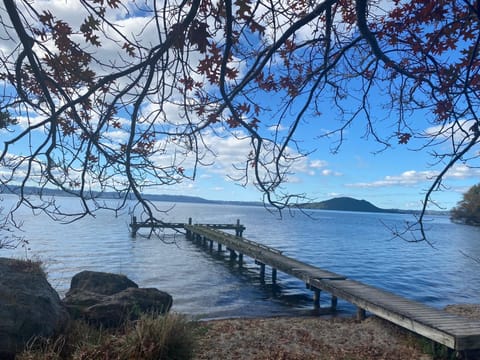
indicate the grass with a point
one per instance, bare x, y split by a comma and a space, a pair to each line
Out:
29, 266
162, 337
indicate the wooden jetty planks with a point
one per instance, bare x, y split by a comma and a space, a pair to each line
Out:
136, 225
454, 331
264, 254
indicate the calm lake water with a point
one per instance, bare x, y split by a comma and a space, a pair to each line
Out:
357, 245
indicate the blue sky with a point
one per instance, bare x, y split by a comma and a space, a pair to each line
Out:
396, 177
393, 178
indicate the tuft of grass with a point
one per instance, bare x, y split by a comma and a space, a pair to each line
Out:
43, 349
159, 337
153, 336
28, 266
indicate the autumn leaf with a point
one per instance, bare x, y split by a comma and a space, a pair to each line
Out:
254, 123
256, 27
129, 49
198, 35
232, 122
244, 9
404, 138
178, 34
46, 18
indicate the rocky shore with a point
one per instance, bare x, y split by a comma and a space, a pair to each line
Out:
29, 307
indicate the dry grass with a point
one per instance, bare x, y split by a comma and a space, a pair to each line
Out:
152, 337
28, 266
307, 338
174, 337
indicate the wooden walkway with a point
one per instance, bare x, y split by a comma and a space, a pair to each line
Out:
136, 225
455, 332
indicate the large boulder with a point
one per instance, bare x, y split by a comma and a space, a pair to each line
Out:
29, 306
110, 304
100, 282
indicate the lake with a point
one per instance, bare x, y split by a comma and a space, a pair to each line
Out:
208, 285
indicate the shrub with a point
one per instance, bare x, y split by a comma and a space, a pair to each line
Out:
159, 337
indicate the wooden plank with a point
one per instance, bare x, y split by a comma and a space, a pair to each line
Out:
448, 329
457, 333
265, 254
337, 289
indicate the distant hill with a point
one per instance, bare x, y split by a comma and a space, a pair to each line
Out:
340, 203
345, 204
30, 190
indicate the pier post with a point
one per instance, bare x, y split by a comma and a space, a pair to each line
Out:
211, 245
238, 229
334, 303
240, 259
316, 298
274, 276
361, 314
219, 247
134, 226
188, 233
262, 273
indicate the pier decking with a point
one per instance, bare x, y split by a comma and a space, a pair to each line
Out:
455, 332
136, 225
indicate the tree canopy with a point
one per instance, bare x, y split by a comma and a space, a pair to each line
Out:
122, 96
468, 209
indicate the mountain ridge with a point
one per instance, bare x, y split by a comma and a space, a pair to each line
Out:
338, 204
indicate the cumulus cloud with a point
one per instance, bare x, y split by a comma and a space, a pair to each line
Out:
277, 128
413, 177
318, 164
407, 178
458, 131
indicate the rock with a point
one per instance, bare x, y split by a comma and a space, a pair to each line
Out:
29, 306
109, 309
101, 282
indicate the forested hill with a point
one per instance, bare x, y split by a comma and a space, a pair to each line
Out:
345, 204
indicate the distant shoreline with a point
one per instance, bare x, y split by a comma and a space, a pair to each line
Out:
335, 204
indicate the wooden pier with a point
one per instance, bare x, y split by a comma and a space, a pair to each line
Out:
455, 332
136, 225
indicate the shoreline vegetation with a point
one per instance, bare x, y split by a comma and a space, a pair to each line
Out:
178, 336
174, 336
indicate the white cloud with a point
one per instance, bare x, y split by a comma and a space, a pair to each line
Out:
407, 178
26, 121
116, 136
459, 131
317, 164
277, 128
413, 177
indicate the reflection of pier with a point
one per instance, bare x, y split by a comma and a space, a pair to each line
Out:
453, 331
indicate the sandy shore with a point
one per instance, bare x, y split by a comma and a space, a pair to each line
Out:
313, 338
